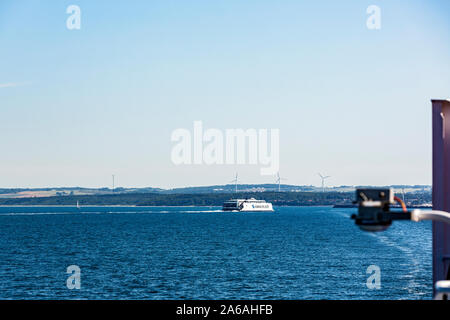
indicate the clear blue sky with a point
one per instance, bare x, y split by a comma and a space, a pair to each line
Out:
77, 106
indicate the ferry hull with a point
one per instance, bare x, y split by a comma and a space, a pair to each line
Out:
250, 207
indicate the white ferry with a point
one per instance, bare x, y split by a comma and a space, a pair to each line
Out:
246, 205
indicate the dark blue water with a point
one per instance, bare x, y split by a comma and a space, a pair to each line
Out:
200, 253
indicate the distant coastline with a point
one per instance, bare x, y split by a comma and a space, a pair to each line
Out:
307, 199
343, 206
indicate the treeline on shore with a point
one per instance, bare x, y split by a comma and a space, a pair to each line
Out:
157, 199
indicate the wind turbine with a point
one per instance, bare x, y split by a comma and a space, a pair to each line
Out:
235, 180
279, 181
323, 181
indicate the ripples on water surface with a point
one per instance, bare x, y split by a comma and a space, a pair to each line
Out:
202, 253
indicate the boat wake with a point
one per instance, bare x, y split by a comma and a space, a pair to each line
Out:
413, 268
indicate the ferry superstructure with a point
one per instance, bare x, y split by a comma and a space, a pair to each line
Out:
247, 205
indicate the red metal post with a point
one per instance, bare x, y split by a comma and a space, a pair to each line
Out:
441, 188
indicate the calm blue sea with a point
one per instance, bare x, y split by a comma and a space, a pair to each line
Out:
202, 253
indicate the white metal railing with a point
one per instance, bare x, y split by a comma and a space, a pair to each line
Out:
442, 290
